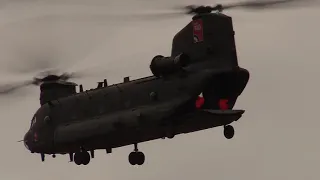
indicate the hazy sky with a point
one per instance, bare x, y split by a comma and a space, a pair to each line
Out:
277, 138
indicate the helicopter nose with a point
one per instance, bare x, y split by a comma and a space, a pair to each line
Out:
27, 140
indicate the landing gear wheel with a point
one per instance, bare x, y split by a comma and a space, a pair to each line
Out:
228, 131
81, 158
77, 158
136, 158
85, 157
170, 132
132, 158
170, 135
140, 158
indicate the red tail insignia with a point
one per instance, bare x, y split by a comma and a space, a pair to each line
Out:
197, 30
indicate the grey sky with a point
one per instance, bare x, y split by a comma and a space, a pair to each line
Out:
277, 138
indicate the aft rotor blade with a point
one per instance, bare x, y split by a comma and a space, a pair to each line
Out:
253, 5
106, 18
264, 4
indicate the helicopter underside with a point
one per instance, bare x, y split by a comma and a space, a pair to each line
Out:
198, 120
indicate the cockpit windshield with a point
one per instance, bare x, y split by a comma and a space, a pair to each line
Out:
33, 121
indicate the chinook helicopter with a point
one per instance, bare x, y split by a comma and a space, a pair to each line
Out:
193, 89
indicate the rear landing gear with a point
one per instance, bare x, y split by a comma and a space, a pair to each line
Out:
228, 131
82, 157
136, 157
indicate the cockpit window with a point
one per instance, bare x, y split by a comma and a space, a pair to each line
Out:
33, 121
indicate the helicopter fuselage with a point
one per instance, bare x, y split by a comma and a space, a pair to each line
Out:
135, 111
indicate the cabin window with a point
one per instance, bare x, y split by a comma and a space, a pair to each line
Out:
153, 96
47, 120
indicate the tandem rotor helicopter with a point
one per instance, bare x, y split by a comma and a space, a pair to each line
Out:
203, 61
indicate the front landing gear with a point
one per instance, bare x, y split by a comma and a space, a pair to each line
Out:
136, 157
82, 157
228, 131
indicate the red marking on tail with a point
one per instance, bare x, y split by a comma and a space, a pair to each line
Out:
223, 104
197, 30
199, 102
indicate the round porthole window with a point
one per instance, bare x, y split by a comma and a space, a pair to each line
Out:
153, 96
47, 119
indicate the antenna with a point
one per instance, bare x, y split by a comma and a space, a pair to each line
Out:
105, 83
126, 79
80, 88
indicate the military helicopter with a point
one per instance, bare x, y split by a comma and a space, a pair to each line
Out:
193, 89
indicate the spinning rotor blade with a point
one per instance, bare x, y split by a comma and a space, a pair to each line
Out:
96, 13
254, 5
267, 4
96, 17
11, 87
53, 55
88, 11
191, 9
43, 65
6, 89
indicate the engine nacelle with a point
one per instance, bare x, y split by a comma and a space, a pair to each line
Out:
162, 66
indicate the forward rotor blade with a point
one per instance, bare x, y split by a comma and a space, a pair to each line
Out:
48, 55
6, 89
31, 59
